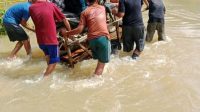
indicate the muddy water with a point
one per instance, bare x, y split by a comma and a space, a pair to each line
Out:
165, 78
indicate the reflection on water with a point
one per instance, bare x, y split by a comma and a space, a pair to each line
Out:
165, 78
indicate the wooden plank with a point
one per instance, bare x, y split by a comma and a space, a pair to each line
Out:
115, 22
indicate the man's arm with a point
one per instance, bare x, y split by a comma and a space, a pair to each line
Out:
24, 24
67, 25
77, 30
114, 1
121, 9
59, 16
164, 8
118, 14
146, 3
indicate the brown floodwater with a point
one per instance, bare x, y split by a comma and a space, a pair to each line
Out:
166, 78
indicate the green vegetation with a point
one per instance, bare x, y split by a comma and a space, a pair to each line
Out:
2, 29
5, 4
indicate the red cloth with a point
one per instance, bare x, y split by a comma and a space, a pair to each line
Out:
44, 15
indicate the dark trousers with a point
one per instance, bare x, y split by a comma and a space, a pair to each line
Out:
152, 27
131, 35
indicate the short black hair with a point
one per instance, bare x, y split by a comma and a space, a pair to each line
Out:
91, 1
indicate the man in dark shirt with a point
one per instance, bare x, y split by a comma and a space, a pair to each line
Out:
133, 27
156, 20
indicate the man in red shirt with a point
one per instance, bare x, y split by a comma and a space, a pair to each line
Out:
44, 15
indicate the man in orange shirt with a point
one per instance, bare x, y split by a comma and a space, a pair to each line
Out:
94, 18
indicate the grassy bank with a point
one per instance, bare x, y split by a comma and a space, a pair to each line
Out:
2, 29
5, 4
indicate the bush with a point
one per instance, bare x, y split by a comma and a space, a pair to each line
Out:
2, 29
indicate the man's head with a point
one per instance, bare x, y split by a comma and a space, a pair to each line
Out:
91, 1
33, 1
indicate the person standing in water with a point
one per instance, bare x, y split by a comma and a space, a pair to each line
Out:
133, 26
94, 18
156, 20
15, 16
44, 15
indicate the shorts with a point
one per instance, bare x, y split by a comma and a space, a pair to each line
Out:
15, 32
115, 45
152, 27
101, 49
131, 35
51, 51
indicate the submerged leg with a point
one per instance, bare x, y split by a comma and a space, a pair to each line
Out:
50, 67
99, 68
151, 28
161, 32
16, 49
27, 46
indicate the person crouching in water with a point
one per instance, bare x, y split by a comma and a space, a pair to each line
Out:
156, 20
44, 15
94, 18
15, 16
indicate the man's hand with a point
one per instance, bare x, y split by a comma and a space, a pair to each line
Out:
24, 24
117, 13
63, 32
67, 25
145, 9
114, 11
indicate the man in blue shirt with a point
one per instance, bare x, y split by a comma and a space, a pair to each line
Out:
133, 27
15, 16
156, 20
